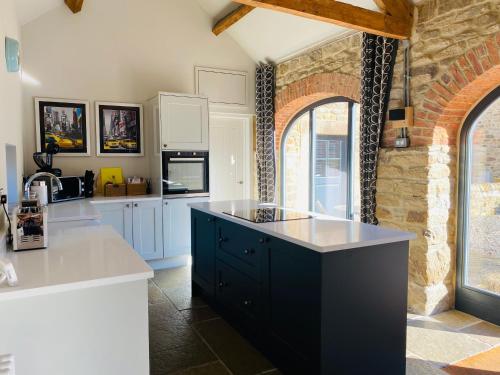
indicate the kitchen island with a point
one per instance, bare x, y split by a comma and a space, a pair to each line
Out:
81, 305
318, 295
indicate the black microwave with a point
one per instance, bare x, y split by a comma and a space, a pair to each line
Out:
185, 173
73, 188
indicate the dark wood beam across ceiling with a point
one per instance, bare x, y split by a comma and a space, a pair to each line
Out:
74, 5
395, 23
226, 22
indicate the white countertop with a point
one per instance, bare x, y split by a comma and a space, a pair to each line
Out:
82, 253
84, 209
77, 258
321, 233
127, 198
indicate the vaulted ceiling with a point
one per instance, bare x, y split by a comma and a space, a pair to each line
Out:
270, 35
266, 35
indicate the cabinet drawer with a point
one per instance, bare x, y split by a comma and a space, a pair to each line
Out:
238, 292
240, 247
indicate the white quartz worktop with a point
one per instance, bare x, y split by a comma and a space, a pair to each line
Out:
81, 253
77, 258
320, 233
85, 209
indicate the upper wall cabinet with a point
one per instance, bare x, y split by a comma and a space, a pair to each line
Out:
184, 122
222, 87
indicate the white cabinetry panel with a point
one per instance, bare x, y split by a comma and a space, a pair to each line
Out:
119, 216
184, 122
147, 229
225, 87
177, 225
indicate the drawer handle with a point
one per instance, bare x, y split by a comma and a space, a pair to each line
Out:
222, 284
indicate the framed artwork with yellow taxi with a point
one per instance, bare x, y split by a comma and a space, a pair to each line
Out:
119, 129
64, 122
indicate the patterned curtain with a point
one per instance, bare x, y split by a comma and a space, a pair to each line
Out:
377, 66
266, 163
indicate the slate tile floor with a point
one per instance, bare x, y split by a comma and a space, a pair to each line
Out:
188, 338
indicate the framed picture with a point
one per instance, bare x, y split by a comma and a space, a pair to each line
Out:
119, 129
64, 122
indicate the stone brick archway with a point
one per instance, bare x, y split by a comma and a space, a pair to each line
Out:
449, 99
417, 187
309, 90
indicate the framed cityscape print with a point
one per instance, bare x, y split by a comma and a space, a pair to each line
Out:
65, 123
119, 129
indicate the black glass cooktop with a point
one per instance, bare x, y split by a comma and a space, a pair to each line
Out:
268, 215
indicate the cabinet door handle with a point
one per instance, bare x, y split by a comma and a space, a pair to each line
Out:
262, 240
222, 239
209, 220
164, 146
247, 302
249, 251
166, 203
222, 284
127, 205
136, 204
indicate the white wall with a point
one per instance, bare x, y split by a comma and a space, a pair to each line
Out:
10, 98
119, 50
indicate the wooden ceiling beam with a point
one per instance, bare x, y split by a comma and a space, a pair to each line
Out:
397, 8
229, 20
341, 14
74, 5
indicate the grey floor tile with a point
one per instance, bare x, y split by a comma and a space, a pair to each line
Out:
173, 277
213, 368
180, 358
237, 353
182, 298
155, 295
417, 366
199, 314
454, 319
436, 343
485, 332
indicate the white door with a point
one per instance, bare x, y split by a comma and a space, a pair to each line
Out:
119, 216
230, 160
147, 228
177, 226
184, 122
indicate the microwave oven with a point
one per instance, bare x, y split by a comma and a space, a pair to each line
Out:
73, 188
185, 173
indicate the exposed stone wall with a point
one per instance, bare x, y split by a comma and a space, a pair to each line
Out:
455, 60
341, 56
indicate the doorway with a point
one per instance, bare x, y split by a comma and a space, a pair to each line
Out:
230, 160
478, 257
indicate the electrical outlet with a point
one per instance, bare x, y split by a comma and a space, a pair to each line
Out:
3, 199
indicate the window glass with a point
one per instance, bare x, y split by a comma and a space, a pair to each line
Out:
482, 247
321, 160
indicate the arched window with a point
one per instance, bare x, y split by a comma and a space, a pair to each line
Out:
478, 258
320, 159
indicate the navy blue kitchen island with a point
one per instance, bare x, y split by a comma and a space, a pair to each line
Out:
317, 295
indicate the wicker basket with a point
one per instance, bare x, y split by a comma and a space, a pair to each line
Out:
136, 189
116, 190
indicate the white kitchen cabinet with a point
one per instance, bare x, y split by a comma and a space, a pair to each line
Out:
147, 229
184, 122
177, 225
119, 216
139, 223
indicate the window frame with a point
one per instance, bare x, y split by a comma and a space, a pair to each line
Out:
469, 299
312, 147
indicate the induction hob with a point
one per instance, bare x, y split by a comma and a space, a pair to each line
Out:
268, 215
